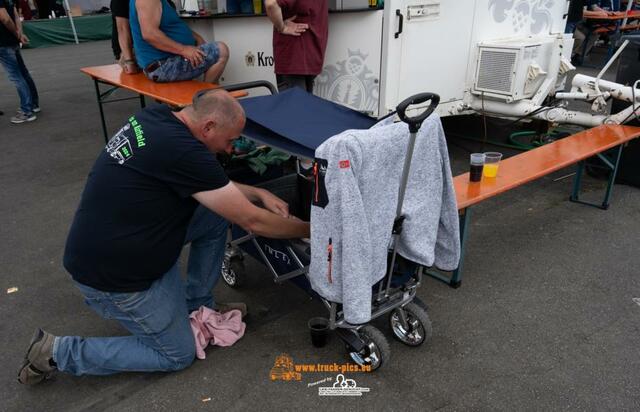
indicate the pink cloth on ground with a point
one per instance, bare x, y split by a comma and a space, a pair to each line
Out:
211, 327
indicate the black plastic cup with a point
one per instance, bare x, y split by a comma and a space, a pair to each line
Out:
319, 329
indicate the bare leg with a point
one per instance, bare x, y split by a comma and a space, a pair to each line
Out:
213, 74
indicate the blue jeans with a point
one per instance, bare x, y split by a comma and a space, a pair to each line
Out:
11, 60
176, 68
158, 318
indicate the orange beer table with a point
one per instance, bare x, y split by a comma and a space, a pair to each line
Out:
534, 164
608, 22
175, 93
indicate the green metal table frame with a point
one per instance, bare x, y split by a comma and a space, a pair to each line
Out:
103, 98
611, 160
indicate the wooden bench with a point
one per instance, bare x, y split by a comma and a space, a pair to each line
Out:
177, 94
612, 29
534, 164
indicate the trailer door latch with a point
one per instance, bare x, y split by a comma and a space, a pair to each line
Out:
429, 10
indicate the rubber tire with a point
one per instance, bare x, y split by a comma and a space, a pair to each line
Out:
417, 312
370, 333
236, 265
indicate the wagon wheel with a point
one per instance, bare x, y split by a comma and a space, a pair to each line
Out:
376, 351
233, 271
416, 329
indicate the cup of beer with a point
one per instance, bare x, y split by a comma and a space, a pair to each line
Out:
491, 163
476, 164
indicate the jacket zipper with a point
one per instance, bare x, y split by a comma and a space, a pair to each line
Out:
315, 176
330, 260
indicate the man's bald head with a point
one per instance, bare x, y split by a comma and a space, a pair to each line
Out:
219, 106
215, 118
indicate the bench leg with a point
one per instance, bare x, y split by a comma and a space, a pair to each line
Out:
612, 164
103, 122
455, 280
612, 177
577, 182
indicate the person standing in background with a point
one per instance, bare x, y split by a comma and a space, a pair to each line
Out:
33, 8
10, 38
43, 9
121, 42
25, 10
576, 26
300, 33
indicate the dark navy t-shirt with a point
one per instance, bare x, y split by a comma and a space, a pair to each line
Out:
7, 38
135, 209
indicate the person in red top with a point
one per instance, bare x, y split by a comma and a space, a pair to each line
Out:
301, 29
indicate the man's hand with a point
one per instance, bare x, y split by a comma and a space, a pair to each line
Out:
273, 203
291, 28
194, 55
599, 10
23, 39
130, 67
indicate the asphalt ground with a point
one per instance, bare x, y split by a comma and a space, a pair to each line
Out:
545, 318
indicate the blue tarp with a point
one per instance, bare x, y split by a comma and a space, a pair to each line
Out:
298, 122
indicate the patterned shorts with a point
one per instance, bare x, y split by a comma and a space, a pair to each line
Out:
177, 68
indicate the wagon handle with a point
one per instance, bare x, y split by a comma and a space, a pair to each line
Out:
416, 121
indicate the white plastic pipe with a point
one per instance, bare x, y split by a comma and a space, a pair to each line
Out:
574, 96
625, 115
616, 90
523, 108
73, 26
609, 63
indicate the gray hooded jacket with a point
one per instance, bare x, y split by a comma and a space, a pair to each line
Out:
354, 204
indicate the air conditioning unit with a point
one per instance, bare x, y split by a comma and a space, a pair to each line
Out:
512, 70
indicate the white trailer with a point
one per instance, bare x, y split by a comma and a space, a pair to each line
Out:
502, 57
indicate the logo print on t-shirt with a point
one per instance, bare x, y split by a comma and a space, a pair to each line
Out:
119, 147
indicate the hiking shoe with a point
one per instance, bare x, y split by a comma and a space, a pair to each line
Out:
23, 117
38, 362
226, 307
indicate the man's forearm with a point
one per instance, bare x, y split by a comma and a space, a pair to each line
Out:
8, 22
249, 192
161, 41
274, 12
124, 38
270, 225
17, 22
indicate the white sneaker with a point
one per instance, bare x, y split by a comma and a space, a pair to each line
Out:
36, 109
